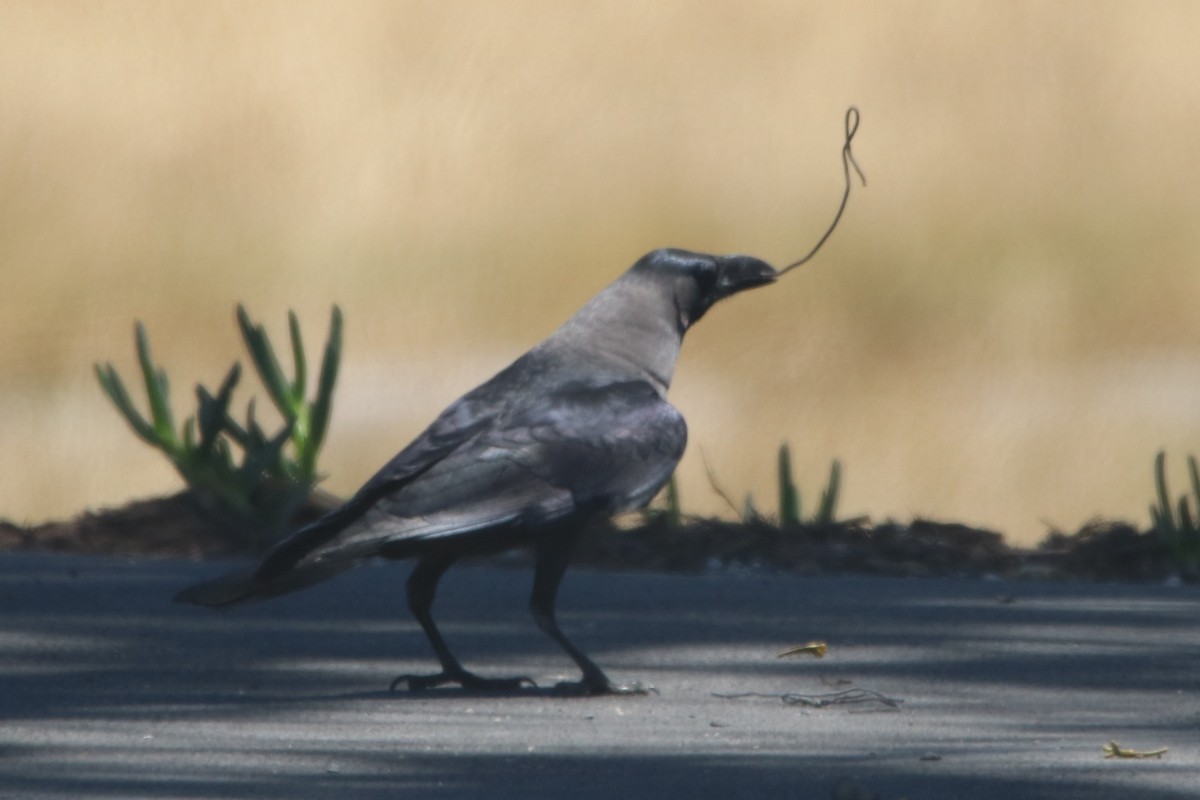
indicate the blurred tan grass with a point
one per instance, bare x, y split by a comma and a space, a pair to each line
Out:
1003, 331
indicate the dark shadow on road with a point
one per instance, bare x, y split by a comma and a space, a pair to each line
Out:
96, 645
593, 777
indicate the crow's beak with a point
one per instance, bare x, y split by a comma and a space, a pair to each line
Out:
738, 273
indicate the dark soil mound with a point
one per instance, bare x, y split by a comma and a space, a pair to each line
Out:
180, 526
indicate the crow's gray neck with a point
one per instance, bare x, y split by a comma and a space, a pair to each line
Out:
631, 328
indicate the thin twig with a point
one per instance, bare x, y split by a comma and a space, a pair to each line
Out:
848, 161
818, 649
845, 697
716, 487
1114, 750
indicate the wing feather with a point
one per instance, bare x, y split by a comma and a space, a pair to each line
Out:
608, 447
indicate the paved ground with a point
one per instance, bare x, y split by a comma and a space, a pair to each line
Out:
1004, 690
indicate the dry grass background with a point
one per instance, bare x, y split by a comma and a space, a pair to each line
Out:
1003, 331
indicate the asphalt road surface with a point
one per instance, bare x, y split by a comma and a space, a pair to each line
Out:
951, 688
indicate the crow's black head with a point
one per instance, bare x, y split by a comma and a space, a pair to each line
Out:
697, 280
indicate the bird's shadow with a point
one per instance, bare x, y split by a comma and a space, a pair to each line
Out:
457, 693
561, 690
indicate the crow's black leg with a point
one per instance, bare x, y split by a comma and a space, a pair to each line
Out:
553, 555
422, 586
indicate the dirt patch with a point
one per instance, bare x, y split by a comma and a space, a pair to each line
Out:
1101, 550
178, 526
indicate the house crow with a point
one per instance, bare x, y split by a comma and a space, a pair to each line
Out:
576, 429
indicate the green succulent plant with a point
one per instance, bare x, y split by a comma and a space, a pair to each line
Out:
277, 472
665, 509
1177, 523
790, 508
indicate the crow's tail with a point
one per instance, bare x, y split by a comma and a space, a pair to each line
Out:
246, 585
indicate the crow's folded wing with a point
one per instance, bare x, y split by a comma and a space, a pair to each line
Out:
454, 429
581, 447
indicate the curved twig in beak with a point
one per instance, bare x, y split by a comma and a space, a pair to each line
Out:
848, 161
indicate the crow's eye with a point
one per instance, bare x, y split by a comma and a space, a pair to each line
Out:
705, 274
